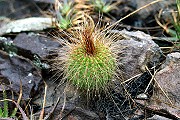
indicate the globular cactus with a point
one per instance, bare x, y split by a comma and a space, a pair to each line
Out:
87, 61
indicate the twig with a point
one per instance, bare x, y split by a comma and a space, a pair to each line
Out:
131, 78
64, 104
151, 78
44, 103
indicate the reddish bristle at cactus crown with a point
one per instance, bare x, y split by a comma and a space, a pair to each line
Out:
88, 42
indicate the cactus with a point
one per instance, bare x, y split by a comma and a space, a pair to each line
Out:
88, 63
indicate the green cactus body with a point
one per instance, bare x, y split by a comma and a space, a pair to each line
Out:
93, 71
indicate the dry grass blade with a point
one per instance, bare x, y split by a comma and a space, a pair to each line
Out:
153, 76
114, 24
163, 91
64, 104
138, 75
163, 26
19, 99
44, 102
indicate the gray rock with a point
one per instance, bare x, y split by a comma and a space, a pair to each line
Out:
157, 117
137, 51
17, 71
35, 44
45, 1
30, 45
27, 24
168, 79
144, 13
70, 112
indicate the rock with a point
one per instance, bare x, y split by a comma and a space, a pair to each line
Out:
27, 24
157, 117
4, 20
144, 13
168, 79
34, 44
30, 45
70, 112
18, 9
142, 17
45, 1
138, 51
16, 69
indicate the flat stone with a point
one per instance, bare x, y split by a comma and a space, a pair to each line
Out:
27, 24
